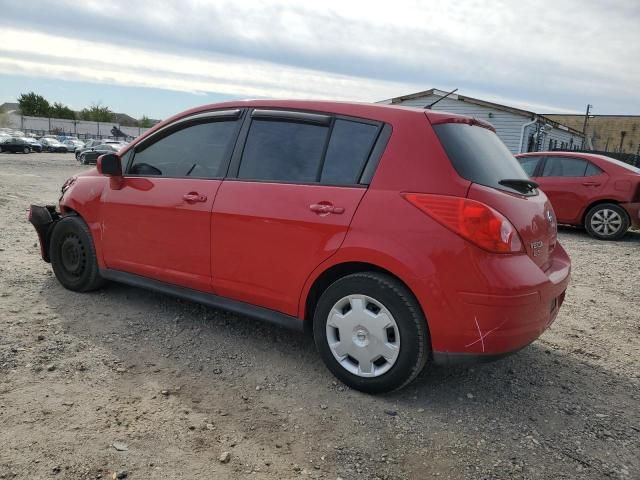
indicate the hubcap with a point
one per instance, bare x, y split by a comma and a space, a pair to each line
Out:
73, 255
606, 222
363, 336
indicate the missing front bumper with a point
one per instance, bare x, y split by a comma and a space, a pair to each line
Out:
43, 218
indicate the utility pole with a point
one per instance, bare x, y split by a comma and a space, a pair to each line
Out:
584, 127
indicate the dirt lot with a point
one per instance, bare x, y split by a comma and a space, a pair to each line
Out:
130, 384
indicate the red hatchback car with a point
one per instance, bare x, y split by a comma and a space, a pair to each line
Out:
597, 192
397, 236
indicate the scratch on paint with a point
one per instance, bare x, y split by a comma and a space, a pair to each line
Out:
482, 336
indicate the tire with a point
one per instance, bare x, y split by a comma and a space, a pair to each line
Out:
26, 150
607, 221
73, 255
386, 303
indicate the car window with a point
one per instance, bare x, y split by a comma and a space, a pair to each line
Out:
348, 150
283, 151
194, 151
479, 155
529, 164
592, 170
564, 167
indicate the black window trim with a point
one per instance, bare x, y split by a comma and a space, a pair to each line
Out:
186, 122
377, 148
292, 115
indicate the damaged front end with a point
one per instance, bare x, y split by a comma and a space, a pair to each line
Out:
43, 218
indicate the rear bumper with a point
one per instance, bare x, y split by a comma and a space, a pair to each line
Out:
633, 209
43, 218
518, 305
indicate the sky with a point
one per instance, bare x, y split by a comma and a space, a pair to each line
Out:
156, 57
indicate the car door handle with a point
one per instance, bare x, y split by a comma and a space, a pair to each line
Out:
193, 197
325, 209
591, 184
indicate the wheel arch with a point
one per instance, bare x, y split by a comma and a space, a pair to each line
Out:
336, 271
595, 203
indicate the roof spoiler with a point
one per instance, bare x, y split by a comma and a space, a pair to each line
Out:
440, 118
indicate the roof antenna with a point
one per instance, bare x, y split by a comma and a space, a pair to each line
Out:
428, 107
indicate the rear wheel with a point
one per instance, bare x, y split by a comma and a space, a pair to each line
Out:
371, 333
73, 255
607, 221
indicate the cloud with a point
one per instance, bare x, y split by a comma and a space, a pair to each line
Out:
30, 53
560, 53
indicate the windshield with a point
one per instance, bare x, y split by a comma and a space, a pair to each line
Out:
479, 156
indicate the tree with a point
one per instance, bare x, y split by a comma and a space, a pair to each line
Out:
145, 122
33, 105
97, 113
58, 110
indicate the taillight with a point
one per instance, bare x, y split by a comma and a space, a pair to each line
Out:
472, 220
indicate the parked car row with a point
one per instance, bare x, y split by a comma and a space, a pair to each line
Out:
85, 152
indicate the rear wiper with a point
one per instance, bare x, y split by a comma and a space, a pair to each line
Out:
520, 184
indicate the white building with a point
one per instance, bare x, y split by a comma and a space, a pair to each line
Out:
520, 130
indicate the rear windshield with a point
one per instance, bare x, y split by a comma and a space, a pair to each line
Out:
479, 155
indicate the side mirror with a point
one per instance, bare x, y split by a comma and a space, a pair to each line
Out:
109, 164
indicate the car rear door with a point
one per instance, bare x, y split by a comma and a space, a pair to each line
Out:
157, 222
294, 184
569, 183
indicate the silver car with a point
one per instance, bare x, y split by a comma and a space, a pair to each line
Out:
73, 145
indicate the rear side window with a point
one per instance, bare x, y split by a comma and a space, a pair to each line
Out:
564, 167
194, 151
283, 151
348, 151
529, 164
592, 170
478, 155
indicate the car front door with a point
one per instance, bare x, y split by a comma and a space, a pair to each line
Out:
292, 190
569, 190
157, 223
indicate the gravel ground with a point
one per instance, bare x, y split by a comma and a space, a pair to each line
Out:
124, 383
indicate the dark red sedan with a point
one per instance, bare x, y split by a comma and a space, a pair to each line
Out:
397, 237
597, 192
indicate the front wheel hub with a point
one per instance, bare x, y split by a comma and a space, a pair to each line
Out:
73, 255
